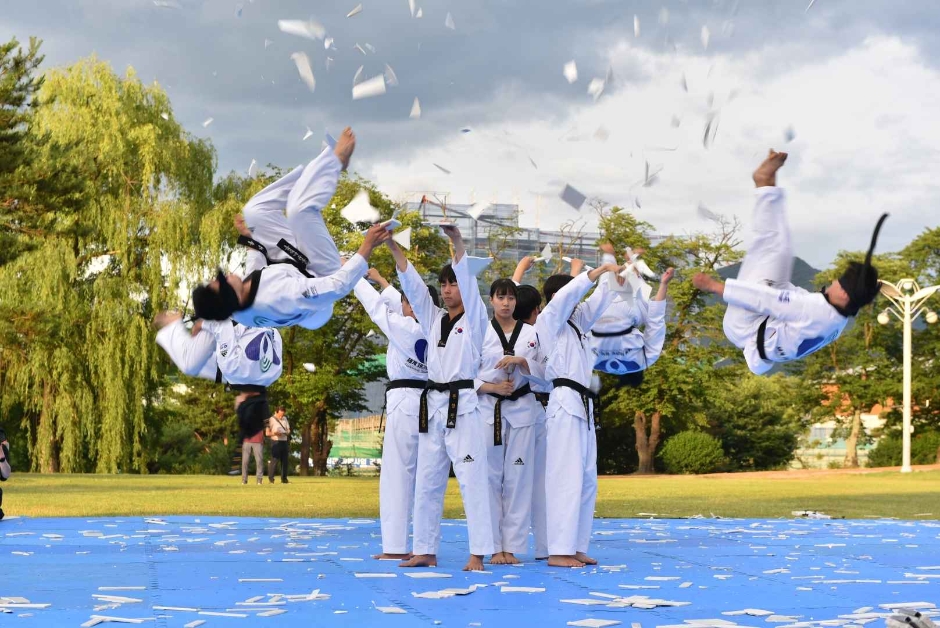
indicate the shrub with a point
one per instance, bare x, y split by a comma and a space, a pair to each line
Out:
888, 451
693, 452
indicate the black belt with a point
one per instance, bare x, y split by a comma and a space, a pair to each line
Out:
395, 384
613, 334
249, 388
542, 398
587, 395
454, 389
761, 332
516, 395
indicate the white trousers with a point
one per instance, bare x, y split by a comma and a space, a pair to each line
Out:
437, 449
570, 482
768, 261
511, 477
539, 519
304, 192
397, 481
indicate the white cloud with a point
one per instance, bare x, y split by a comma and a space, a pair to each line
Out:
865, 123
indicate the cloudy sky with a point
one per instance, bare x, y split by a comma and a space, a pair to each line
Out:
854, 82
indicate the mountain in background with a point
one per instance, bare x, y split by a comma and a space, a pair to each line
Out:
803, 274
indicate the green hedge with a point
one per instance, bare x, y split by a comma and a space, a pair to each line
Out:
887, 453
693, 452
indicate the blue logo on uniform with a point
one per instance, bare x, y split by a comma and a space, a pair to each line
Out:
421, 350
261, 350
617, 367
784, 297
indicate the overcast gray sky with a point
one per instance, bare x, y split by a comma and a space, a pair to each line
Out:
857, 81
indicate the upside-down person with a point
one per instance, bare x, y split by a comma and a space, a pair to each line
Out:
295, 273
768, 317
449, 423
621, 348
563, 326
407, 377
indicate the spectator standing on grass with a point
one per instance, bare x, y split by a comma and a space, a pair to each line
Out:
278, 430
5, 469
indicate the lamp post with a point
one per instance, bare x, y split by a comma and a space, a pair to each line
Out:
907, 300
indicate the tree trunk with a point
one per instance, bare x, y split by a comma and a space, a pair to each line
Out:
321, 439
47, 440
305, 450
646, 444
851, 443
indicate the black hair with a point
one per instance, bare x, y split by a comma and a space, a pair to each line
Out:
553, 284
447, 275
434, 294
214, 305
860, 281
502, 287
527, 299
252, 413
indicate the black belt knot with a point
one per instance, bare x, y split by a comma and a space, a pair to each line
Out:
516, 395
587, 396
613, 334
454, 389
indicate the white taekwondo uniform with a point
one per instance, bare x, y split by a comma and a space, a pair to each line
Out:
293, 264
571, 448
619, 346
510, 436
225, 352
762, 303
407, 376
451, 427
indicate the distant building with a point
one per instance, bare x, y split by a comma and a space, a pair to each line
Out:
820, 449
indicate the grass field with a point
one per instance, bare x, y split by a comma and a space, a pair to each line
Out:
758, 495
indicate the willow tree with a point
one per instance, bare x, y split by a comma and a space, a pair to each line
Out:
78, 359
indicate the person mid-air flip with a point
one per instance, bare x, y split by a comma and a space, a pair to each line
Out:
768, 317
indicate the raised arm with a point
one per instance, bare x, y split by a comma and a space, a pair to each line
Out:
654, 333
189, 353
556, 312
784, 305
377, 308
420, 299
521, 268
600, 299
474, 309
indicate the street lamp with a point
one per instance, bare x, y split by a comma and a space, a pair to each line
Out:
908, 302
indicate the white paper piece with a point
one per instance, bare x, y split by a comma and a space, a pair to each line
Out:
572, 197
426, 574
267, 42
307, 134
522, 589
477, 209
327, 43
361, 574
441, 168
415, 110
165, 116
545, 255
390, 78
570, 71
403, 238
706, 37
596, 88
809, 6
375, 86
420, 13
310, 29
594, 623
391, 610
194, 624
207, 122
358, 75
360, 209
478, 264
449, 22
302, 61
370, 47
355, 11
636, 25
411, 7
328, 62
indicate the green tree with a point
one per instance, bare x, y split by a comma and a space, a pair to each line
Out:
676, 392
77, 357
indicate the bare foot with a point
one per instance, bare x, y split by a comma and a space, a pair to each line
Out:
510, 558
499, 558
384, 556
584, 558
564, 561
766, 173
474, 564
421, 560
345, 146
163, 319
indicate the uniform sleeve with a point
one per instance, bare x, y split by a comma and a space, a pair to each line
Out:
784, 305
189, 353
556, 312
654, 334
254, 261
336, 286
393, 298
595, 305
472, 301
420, 299
392, 325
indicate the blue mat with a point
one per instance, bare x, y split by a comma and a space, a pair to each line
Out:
804, 572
